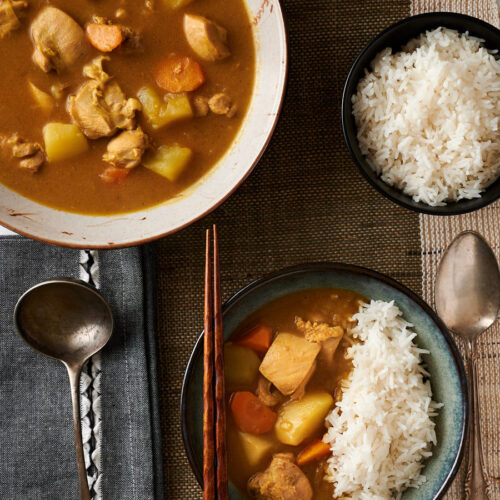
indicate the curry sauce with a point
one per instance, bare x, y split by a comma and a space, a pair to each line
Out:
74, 185
330, 309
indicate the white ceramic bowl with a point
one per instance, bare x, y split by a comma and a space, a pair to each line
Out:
84, 231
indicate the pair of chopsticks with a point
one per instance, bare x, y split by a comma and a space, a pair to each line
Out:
214, 409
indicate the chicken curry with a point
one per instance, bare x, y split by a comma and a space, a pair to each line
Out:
116, 105
284, 367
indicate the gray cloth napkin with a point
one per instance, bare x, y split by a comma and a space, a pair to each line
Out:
37, 452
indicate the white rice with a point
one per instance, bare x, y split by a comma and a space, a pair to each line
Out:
428, 117
381, 430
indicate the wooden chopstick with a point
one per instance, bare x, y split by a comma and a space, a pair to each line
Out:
208, 374
214, 457
220, 405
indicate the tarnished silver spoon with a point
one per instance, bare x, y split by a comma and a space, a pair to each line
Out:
67, 320
468, 300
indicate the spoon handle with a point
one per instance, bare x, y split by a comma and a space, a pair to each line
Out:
74, 379
476, 487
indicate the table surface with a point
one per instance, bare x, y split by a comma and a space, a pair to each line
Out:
305, 201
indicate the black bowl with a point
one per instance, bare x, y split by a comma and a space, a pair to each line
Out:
396, 36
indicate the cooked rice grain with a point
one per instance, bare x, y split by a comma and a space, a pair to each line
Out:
381, 431
428, 117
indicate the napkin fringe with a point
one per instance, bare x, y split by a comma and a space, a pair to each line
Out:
90, 392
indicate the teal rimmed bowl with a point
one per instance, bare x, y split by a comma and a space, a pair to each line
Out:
444, 363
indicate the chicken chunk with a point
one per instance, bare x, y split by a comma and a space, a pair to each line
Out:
95, 71
88, 111
126, 149
22, 149
121, 109
315, 331
100, 107
10, 13
30, 154
327, 336
34, 162
288, 362
58, 39
222, 104
206, 38
219, 104
282, 480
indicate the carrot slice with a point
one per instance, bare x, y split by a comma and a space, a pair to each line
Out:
258, 338
104, 37
179, 74
113, 175
250, 414
313, 451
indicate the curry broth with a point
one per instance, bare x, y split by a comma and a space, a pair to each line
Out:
330, 305
74, 185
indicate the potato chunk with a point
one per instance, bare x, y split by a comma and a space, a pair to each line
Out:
169, 161
206, 38
241, 365
255, 448
160, 113
63, 141
289, 361
299, 420
43, 100
178, 107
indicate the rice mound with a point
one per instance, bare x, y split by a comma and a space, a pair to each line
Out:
381, 430
428, 117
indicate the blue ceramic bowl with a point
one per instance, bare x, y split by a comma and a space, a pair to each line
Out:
444, 363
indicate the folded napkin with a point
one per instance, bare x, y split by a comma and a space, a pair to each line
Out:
120, 418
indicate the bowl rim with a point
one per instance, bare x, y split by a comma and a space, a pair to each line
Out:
278, 11
346, 269
454, 208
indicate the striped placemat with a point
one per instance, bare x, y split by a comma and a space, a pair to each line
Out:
435, 234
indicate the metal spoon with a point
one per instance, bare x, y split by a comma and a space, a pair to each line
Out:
468, 300
67, 320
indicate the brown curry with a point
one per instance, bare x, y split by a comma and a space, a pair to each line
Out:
284, 367
117, 105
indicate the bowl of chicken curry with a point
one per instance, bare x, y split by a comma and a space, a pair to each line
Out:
123, 121
339, 383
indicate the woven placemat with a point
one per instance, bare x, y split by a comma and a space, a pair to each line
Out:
304, 202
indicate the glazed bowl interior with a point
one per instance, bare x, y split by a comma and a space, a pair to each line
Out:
396, 36
85, 231
444, 363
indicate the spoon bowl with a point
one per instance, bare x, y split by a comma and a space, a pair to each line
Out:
64, 319
468, 286
67, 320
